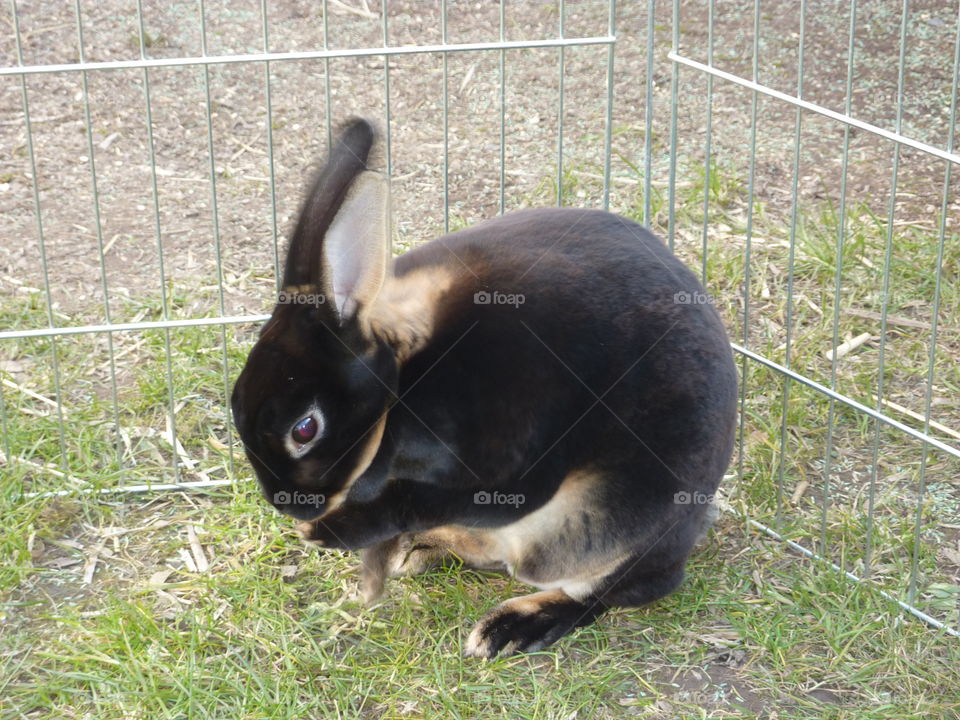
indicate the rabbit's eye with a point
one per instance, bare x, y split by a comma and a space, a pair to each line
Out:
304, 431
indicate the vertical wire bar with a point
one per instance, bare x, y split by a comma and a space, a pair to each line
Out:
674, 95
708, 149
41, 238
4, 428
608, 127
935, 322
446, 123
164, 303
328, 110
561, 87
838, 278
273, 177
214, 211
503, 107
118, 440
386, 92
885, 296
791, 265
648, 117
748, 238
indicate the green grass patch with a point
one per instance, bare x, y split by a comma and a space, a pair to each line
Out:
104, 617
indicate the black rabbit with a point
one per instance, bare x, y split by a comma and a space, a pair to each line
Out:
549, 392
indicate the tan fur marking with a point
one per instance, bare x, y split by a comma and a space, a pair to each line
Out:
531, 604
404, 314
414, 554
546, 548
366, 457
477, 645
471, 546
309, 289
336, 500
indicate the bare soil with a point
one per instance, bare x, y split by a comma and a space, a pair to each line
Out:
191, 234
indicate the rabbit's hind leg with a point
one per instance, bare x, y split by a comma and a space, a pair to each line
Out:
529, 623
415, 553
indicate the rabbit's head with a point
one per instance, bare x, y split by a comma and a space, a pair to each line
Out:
310, 404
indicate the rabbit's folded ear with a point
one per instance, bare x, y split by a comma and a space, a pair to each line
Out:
341, 243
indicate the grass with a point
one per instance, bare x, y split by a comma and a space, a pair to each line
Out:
270, 630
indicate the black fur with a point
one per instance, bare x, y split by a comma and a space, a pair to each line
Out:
603, 369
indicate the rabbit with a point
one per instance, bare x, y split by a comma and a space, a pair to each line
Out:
549, 393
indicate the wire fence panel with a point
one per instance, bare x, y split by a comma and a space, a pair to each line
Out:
159, 152
846, 285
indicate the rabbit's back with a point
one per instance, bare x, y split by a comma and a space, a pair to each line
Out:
563, 339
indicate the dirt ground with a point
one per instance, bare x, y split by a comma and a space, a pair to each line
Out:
177, 247
241, 230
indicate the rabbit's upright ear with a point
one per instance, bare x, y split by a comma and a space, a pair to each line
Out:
341, 243
357, 246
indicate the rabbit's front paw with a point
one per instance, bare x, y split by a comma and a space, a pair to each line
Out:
317, 532
527, 624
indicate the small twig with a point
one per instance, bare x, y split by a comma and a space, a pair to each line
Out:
799, 491
187, 560
356, 11
917, 416
847, 347
167, 435
35, 120
109, 140
613, 178
891, 319
244, 148
91, 565
129, 349
43, 467
199, 557
110, 533
111, 243
467, 78
38, 31
36, 396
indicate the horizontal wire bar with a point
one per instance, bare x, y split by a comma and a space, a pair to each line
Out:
305, 55
122, 327
850, 402
850, 576
241, 319
819, 109
192, 484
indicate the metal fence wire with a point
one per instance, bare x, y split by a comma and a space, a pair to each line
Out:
154, 155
